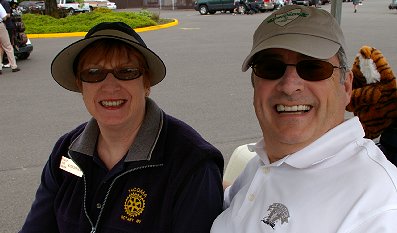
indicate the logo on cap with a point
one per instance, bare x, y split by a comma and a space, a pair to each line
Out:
287, 17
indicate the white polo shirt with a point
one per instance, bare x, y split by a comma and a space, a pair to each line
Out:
340, 183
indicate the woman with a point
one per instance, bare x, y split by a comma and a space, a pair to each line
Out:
131, 168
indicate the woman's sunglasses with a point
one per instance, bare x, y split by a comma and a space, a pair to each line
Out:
94, 75
310, 70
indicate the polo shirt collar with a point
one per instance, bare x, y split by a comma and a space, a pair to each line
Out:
321, 150
144, 142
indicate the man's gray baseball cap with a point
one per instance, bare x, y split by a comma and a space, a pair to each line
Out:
307, 30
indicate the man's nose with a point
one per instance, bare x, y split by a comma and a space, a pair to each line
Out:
290, 82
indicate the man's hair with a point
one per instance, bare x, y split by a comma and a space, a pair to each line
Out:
343, 63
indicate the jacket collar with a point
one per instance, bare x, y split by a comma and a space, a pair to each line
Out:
144, 143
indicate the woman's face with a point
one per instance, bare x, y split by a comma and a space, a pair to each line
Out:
112, 102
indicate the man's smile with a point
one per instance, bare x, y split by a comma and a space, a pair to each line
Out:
292, 109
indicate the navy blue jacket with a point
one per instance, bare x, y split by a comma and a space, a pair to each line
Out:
169, 181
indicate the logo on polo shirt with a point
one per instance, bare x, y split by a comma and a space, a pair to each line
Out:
134, 205
277, 212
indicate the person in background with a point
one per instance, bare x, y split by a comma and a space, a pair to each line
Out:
355, 5
316, 3
313, 170
236, 6
8, 23
6, 45
131, 167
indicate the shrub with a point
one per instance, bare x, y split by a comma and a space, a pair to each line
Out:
39, 24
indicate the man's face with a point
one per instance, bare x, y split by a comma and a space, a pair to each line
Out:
294, 112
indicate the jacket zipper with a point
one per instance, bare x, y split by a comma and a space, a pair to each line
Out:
94, 228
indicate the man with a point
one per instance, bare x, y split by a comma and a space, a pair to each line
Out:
8, 22
5, 42
314, 171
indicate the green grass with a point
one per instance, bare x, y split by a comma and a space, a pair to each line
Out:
39, 24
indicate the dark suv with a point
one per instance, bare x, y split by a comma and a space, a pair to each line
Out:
212, 6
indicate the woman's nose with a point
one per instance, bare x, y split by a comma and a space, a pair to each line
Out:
110, 82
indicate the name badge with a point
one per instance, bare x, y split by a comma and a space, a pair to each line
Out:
69, 166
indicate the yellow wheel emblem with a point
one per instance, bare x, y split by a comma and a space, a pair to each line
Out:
134, 204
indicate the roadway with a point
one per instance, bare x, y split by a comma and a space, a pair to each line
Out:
204, 87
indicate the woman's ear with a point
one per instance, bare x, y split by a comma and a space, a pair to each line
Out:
146, 84
79, 84
147, 91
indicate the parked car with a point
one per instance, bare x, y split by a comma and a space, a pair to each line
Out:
31, 6
72, 6
111, 5
301, 2
259, 5
266, 5
320, 2
212, 6
393, 5
101, 4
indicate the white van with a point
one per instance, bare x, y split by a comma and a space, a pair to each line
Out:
73, 6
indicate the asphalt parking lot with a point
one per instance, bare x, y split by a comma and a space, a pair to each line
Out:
204, 87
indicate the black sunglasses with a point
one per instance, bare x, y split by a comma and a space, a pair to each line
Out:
94, 75
310, 70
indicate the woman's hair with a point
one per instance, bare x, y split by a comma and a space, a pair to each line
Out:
108, 50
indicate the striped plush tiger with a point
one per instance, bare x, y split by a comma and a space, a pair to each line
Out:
374, 97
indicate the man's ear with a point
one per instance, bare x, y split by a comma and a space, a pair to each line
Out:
348, 85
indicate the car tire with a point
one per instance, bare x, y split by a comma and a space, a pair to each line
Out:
71, 11
203, 10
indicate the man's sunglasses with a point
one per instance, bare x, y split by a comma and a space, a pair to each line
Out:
94, 75
310, 70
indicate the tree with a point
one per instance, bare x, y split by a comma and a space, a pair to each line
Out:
51, 8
